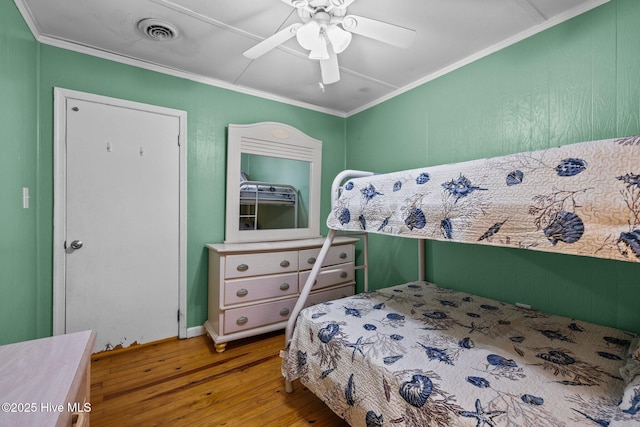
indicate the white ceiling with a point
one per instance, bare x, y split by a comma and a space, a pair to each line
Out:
215, 33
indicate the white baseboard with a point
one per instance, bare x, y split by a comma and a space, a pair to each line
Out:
195, 331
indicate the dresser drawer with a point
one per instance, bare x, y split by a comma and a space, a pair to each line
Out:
238, 319
245, 265
336, 255
330, 276
331, 294
238, 291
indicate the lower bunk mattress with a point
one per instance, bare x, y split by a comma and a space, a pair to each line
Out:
420, 355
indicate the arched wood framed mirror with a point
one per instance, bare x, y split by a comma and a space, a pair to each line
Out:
273, 183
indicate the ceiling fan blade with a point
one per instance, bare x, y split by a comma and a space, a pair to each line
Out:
297, 3
329, 68
378, 30
340, 4
271, 42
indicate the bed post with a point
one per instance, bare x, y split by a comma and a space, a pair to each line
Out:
306, 289
365, 255
304, 294
422, 276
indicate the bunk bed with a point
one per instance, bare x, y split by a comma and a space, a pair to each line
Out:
422, 355
254, 194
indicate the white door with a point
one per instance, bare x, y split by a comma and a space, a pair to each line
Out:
122, 208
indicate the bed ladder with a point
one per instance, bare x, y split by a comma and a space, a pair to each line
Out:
315, 270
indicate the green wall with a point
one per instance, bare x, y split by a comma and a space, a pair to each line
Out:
575, 82
578, 81
20, 301
28, 73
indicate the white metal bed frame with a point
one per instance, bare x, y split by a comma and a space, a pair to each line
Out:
336, 188
252, 198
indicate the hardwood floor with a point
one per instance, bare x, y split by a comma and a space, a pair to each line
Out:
186, 383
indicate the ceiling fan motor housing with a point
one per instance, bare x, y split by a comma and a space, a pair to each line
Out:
309, 10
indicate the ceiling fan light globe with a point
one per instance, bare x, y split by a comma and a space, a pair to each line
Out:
320, 52
309, 35
338, 37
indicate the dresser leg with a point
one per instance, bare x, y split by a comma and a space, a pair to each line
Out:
220, 347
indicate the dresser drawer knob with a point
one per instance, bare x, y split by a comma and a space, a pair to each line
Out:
284, 287
242, 320
343, 255
285, 263
284, 312
343, 274
242, 292
311, 260
242, 267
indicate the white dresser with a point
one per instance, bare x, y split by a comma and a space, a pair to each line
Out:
47, 382
254, 286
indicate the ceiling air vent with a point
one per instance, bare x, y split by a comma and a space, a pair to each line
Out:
158, 30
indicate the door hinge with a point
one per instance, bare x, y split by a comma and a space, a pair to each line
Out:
178, 140
178, 318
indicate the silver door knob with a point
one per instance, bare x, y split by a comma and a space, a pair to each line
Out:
76, 244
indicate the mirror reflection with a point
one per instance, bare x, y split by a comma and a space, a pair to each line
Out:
273, 184
274, 193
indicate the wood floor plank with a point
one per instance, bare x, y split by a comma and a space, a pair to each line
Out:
185, 382
123, 370
170, 399
166, 385
186, 363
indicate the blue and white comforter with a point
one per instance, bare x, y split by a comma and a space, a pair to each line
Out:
420, 355
580, 199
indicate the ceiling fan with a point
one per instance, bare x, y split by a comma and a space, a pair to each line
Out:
326, 30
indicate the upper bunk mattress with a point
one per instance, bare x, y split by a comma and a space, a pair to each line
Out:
581, 199
420, 355
252, 192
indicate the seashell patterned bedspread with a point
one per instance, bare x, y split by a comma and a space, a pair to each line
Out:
420, 355
581, 199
